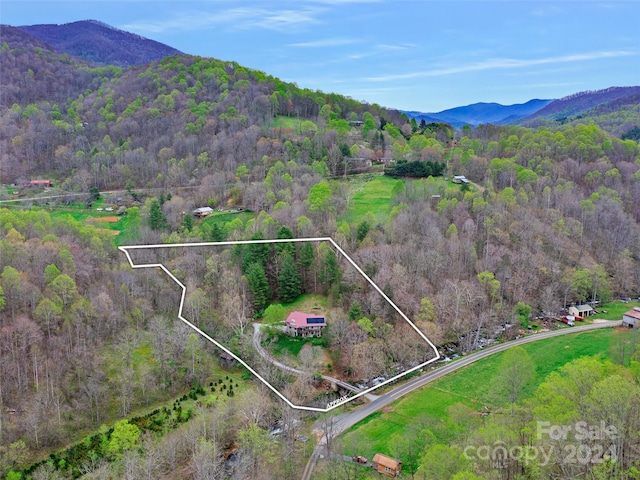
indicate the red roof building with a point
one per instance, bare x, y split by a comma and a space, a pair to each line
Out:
300, 324
39, 183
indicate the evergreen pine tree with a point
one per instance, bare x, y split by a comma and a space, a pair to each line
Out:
255, 252
157, 220
187, 223
289, 283
285, 232
259, 286
305, 263
330, 271
216, 233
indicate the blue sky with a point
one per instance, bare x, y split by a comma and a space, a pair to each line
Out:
409, 54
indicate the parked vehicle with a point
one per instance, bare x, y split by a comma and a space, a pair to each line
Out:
568, 319
359, 459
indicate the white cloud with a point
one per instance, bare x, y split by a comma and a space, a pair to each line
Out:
383, 47
233, 18
326, 42
502, 63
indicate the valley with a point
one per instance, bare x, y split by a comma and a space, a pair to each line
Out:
483, 236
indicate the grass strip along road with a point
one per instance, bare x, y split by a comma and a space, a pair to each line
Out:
342, 423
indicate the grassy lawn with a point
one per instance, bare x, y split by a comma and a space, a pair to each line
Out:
292, 346
371, 195
309, 302
615, 309
472, 386
282, 121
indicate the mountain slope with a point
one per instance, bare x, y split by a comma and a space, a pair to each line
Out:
33, 71
479, 113
100, 43
581, 103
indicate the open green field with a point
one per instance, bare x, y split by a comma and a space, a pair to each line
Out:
372, 194
226, 217
472, 386
282, 121
614, 310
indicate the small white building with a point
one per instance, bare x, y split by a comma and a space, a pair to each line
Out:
202, 212
460, 179
631, 318
581, 310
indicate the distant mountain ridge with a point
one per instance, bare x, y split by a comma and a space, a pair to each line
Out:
100, 43
582, 102
479, 113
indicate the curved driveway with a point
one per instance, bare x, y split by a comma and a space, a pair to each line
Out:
341, 423
287, 368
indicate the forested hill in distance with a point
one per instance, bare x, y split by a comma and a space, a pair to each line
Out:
614, 109
480, 113
582, 103
100, 43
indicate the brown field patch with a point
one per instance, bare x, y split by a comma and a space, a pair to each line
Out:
108, 230
111, 219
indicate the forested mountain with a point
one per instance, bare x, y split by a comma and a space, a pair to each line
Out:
615, 110
552, 217
100, 43
480, 113
33, 71
582, 102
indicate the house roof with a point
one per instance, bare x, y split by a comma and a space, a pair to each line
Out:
633, 314
203, 210
301, 319
385, 461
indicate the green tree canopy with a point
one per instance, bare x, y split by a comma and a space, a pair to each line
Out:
289, 283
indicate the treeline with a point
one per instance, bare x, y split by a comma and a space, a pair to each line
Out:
415, 169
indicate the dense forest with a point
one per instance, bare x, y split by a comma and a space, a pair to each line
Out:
552, 217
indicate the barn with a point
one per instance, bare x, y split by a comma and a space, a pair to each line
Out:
631, 318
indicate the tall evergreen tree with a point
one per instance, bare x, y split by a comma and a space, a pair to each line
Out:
306, 263
289, 283
216, 233
157, 220
187, 223
330, 271
283, 233
256, 252
259, 286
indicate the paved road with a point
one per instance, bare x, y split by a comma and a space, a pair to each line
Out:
341, 423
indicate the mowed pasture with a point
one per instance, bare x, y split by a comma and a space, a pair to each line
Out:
473, 386
370, 195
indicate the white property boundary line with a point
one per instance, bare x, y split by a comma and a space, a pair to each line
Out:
331, 405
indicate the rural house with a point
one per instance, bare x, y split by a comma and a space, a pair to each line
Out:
202, 212
39, 183
631, 318
581, 311
460, 179
386, 465
301, 324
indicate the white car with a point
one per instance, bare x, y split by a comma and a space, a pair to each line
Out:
100, 209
